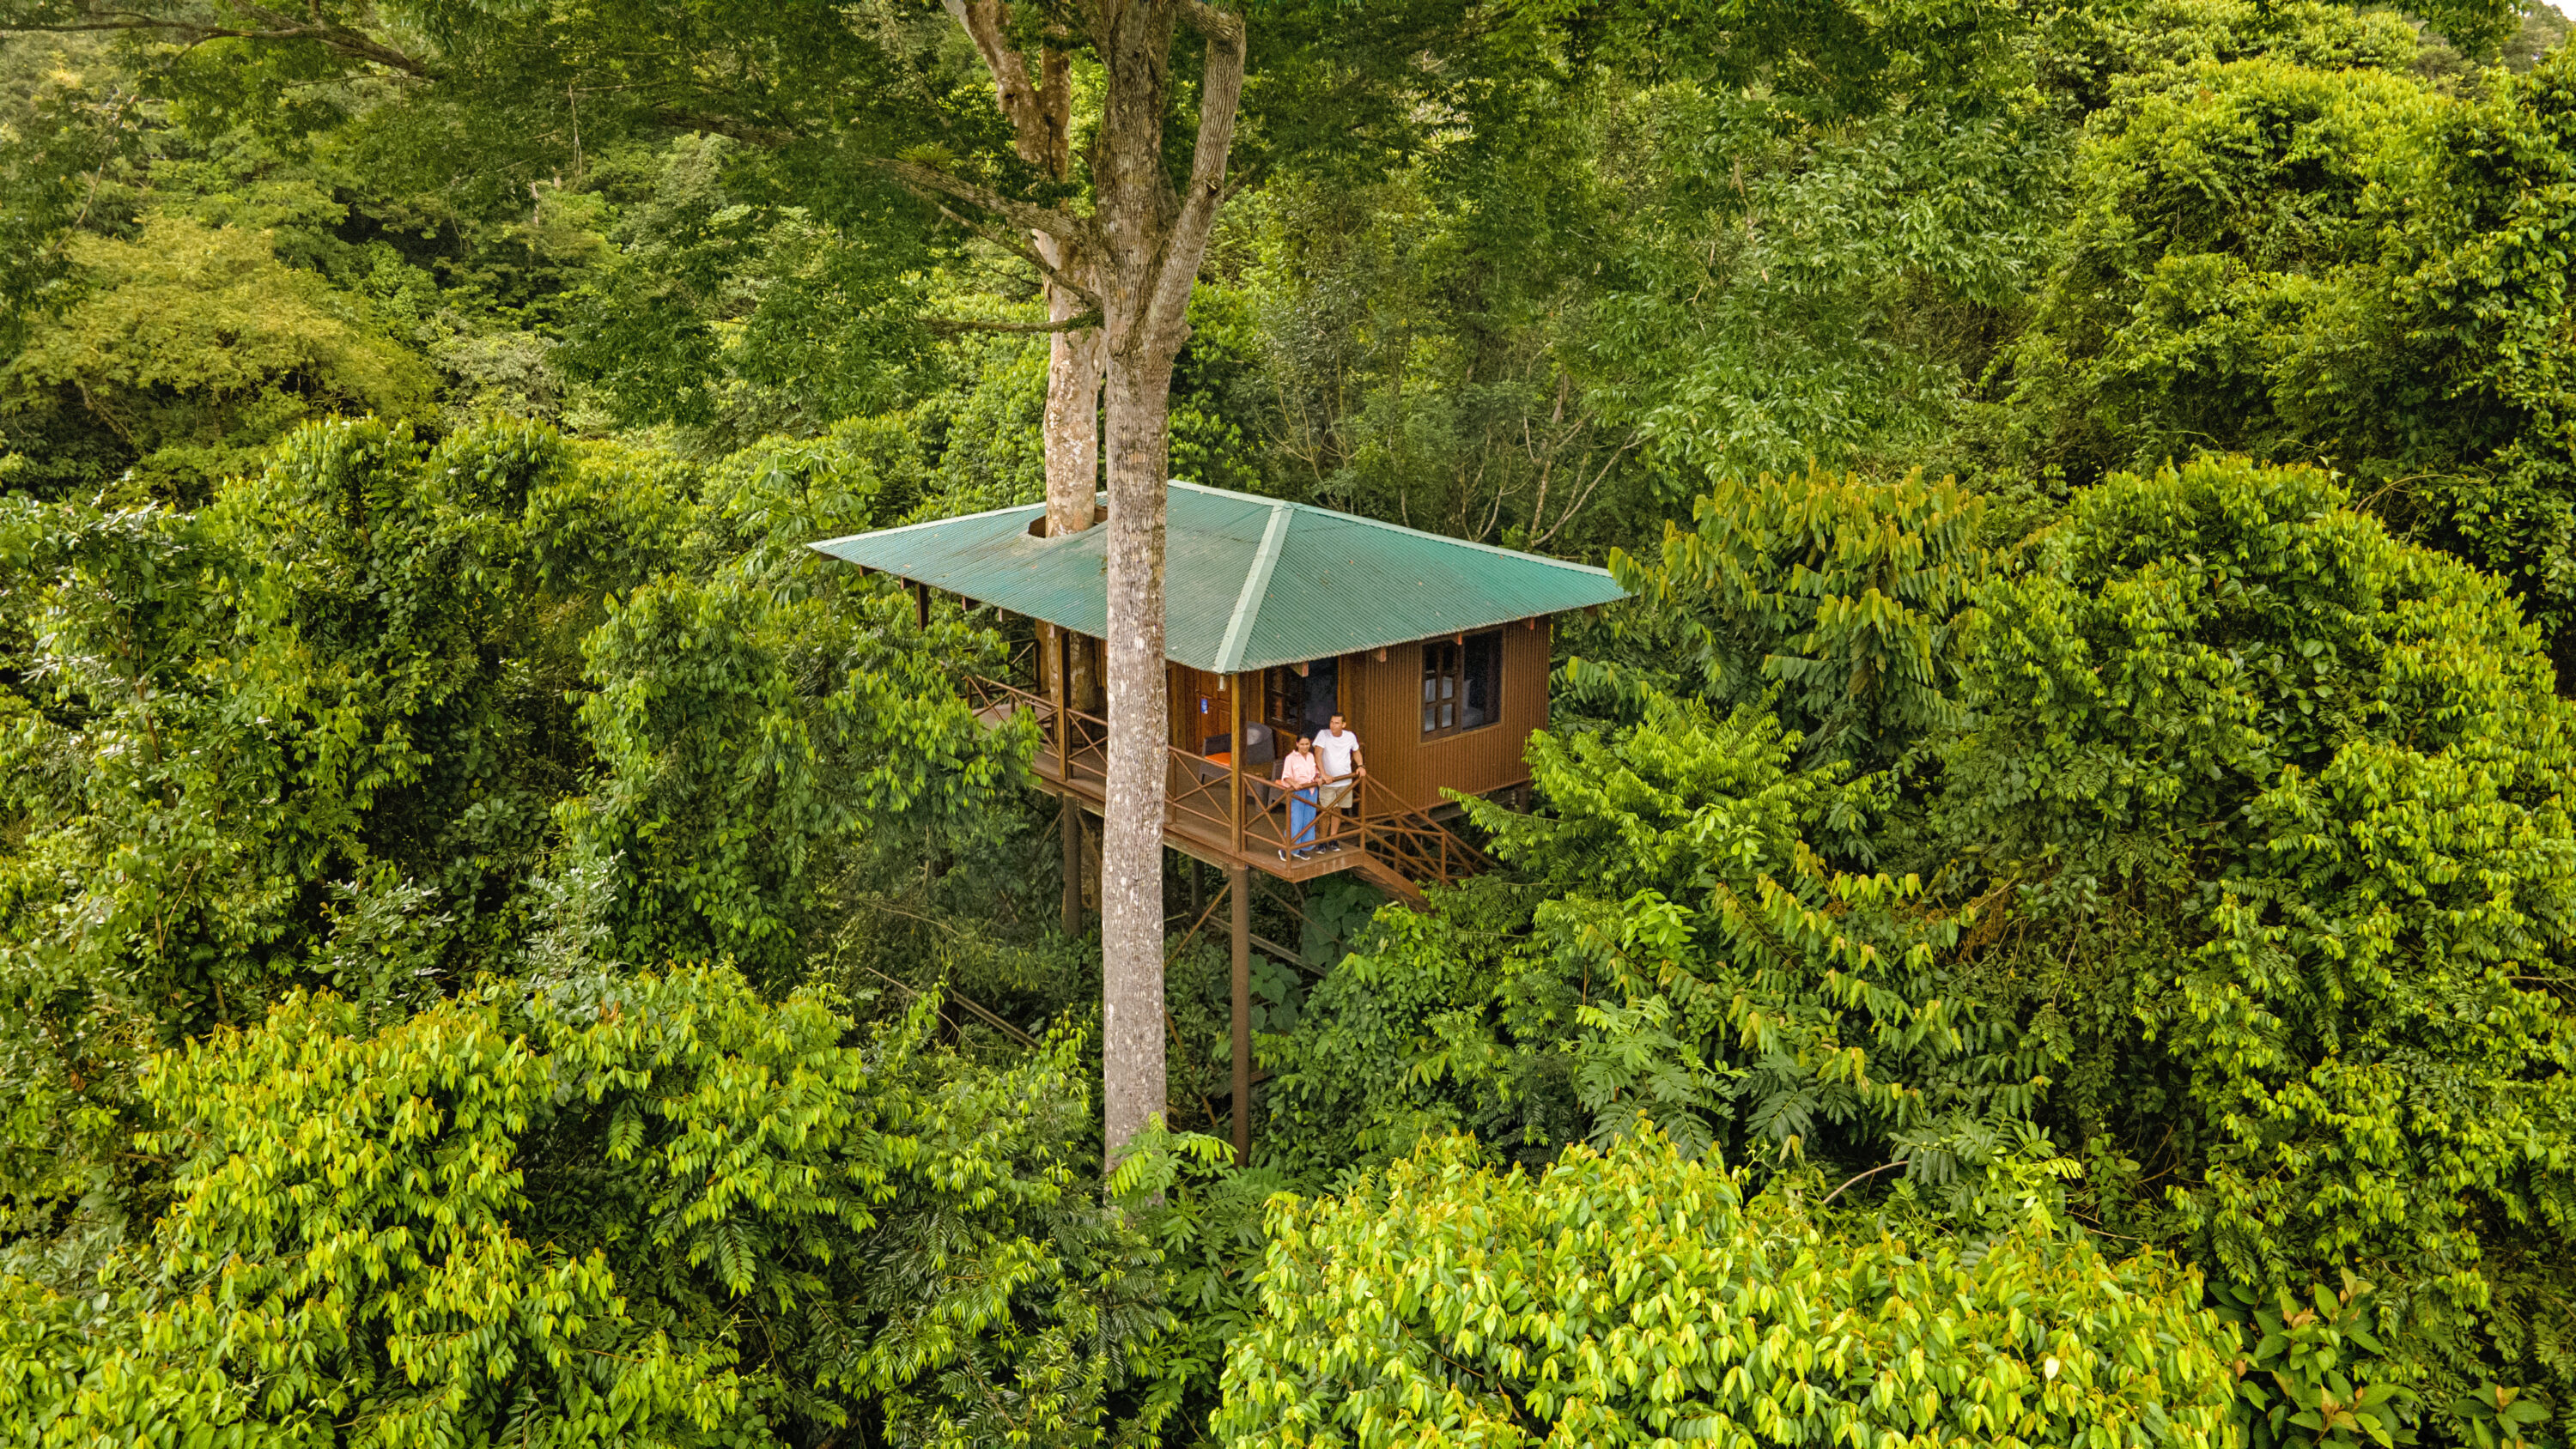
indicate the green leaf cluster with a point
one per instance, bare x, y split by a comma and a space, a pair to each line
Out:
2220, 897
1641, 1296
200, 350
631, 1209
1833, 599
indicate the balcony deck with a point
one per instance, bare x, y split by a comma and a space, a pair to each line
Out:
1388, 842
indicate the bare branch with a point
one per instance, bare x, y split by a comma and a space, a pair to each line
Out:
1220, 95
1061, 224
1026, 253
331, 37
1075, 323
1539, 540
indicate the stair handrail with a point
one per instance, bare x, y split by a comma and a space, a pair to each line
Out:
1409, 835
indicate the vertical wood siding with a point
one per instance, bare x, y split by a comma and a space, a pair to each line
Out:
1384, 703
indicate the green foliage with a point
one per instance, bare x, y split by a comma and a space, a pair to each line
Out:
2289, 244
2498, 1417
2286, 799
2238, 856
1803, 288
712, 308
304, 736
1639, 1296
636, 1209
198, 349
2298, 1377
2195, 868
1679, 954
1835, 600
744, 739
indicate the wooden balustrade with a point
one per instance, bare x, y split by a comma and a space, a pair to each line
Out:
1404, 843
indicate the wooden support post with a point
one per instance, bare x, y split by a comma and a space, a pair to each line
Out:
1061, 642
1239, 886
921, 604
1234, 763
1191, 862
1072, 832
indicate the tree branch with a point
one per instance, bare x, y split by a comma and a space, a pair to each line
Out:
987, 23
1062, 224
726, 126
1216, 25
330, 37
1026, 253
1073, 323
1873, 1172
1220, 95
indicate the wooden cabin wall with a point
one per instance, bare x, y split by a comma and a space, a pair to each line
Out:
1383, 701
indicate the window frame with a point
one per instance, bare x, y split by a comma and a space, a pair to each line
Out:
1456, 651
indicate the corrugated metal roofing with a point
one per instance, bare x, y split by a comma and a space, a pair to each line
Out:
1247, 582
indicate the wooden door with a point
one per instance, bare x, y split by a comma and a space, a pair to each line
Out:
1198, 708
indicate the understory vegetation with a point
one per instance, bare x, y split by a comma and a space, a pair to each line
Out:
2048, 918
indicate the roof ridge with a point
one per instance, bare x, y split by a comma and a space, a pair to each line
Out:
1256, 586
1380, 523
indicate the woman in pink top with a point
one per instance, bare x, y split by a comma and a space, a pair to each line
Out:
1300, 772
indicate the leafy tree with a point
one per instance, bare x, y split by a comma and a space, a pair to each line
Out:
320, 733
305, 735
2289, 244
642, 1209
2272, 809
1641, 1296
1676, 952
199, 350
1835, 600
2242, 864
1824, 277
745, 742
717, 307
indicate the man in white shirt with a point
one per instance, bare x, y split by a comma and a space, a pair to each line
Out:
1338, 751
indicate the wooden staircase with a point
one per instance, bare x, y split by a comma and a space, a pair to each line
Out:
1404, 848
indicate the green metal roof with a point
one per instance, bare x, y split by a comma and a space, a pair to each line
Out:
1247, 582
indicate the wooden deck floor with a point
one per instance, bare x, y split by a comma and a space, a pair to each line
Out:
1193, 832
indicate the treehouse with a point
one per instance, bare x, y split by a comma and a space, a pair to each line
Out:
1277, 616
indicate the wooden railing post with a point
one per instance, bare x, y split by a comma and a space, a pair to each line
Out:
1234, 758
1061, 640
1071, 828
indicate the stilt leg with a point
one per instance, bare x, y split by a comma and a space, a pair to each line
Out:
1240, 888
1072, 869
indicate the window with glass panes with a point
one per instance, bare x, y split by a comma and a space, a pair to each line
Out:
1461, 684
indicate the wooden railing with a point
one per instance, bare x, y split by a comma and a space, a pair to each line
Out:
1407, 840
1393, 832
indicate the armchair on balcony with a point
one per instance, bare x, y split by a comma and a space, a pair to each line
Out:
1260, 747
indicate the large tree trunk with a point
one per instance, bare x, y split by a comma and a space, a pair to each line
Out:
1041, 117
1131, 843
1076, 360
1152, 242
1136, 256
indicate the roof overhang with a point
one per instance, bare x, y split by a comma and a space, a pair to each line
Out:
1249, 582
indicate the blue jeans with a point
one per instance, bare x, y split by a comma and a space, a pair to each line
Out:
1301, 819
